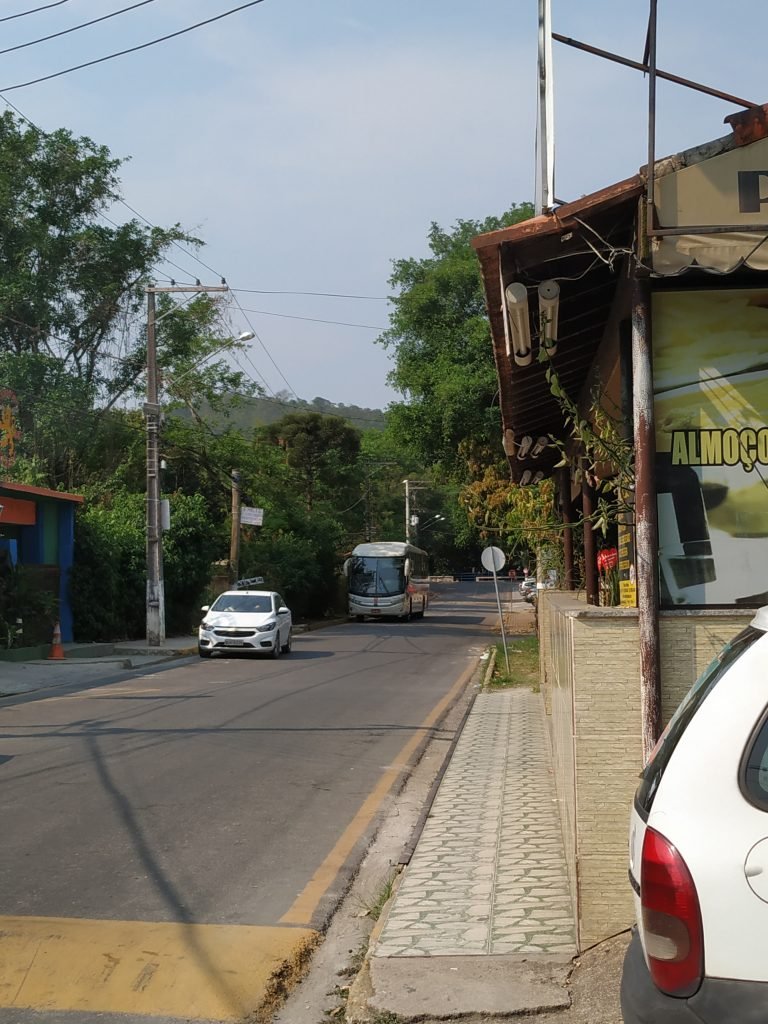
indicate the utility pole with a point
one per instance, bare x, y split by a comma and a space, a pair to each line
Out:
155, 582
234, 543
407, 511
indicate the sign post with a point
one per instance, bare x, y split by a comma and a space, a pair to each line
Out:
494, 560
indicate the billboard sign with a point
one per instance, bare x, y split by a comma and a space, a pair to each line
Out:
251, 516
710, 377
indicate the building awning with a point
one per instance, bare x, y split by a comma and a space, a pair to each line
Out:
38, 492
727, 186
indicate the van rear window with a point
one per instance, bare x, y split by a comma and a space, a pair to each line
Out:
698, 693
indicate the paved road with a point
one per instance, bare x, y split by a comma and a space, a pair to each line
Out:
171, 839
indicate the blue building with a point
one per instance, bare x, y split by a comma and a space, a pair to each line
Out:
37, 528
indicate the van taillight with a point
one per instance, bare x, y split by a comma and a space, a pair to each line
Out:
672, 931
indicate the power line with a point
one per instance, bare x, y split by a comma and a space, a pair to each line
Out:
269, 354
313, 319
131, 49
325, 295
23, 14
76, 28
170, 262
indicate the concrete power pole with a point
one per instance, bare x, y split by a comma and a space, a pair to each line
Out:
407, 511
234, 543
155, 582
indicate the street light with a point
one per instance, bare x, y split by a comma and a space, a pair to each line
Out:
431, 522
410, 485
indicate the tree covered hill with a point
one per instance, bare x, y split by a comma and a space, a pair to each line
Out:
246, 412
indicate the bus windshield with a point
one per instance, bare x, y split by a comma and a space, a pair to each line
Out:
369, 577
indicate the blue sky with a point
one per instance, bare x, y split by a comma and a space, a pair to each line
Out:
311, 143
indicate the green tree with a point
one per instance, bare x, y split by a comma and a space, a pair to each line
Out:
69, 282
322, 451
441, 342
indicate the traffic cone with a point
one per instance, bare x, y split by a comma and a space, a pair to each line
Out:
57, 651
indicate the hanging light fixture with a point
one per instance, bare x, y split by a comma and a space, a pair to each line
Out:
549, 311
516, 297
525, 446
541, 443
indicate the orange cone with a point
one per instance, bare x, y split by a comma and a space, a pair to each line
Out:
57, 651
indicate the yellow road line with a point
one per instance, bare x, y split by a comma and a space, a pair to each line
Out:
306, 903
185, 971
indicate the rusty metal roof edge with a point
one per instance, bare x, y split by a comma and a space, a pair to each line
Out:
558, 221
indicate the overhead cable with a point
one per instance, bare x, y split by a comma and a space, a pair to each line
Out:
23, 14
76, 28
325, 295
313, 319
130, 49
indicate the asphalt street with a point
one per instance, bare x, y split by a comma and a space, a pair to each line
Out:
173, 838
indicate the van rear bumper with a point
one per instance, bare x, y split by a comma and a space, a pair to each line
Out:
718, 1001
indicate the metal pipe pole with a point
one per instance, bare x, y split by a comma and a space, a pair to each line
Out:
566, 511
234, 541
501, 620
155, 584
590, 548
646, 516
652, 23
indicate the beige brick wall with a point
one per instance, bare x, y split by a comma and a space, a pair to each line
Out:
590, 659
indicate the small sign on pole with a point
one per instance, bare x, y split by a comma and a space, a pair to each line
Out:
251, 516
494, 560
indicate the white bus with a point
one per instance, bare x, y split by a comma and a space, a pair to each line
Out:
387, 578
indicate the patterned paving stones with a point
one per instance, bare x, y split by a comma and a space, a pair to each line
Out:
488, 875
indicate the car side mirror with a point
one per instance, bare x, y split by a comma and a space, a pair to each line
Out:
282, 610
346, 566
407, 568
205, 608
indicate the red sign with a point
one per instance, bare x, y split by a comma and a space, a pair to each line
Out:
607, 559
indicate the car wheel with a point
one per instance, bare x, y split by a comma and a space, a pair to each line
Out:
288, 643
204, 652
277, 649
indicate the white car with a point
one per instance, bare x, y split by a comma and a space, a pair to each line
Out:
698, 859
246, 620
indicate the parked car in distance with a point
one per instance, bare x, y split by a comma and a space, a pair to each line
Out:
246, 620
698, 851
528, 589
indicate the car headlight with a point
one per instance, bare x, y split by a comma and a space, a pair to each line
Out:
267, 627
206, 625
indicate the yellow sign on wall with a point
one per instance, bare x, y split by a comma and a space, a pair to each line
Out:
711, 401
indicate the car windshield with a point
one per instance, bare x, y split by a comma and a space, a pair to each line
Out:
371, 576
242, 603
704, 685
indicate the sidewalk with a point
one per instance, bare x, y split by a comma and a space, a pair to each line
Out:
89, 662
482, 922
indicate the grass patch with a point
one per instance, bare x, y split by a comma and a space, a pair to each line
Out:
523, 665
374, 906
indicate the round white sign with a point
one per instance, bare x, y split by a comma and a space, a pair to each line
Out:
493, 559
